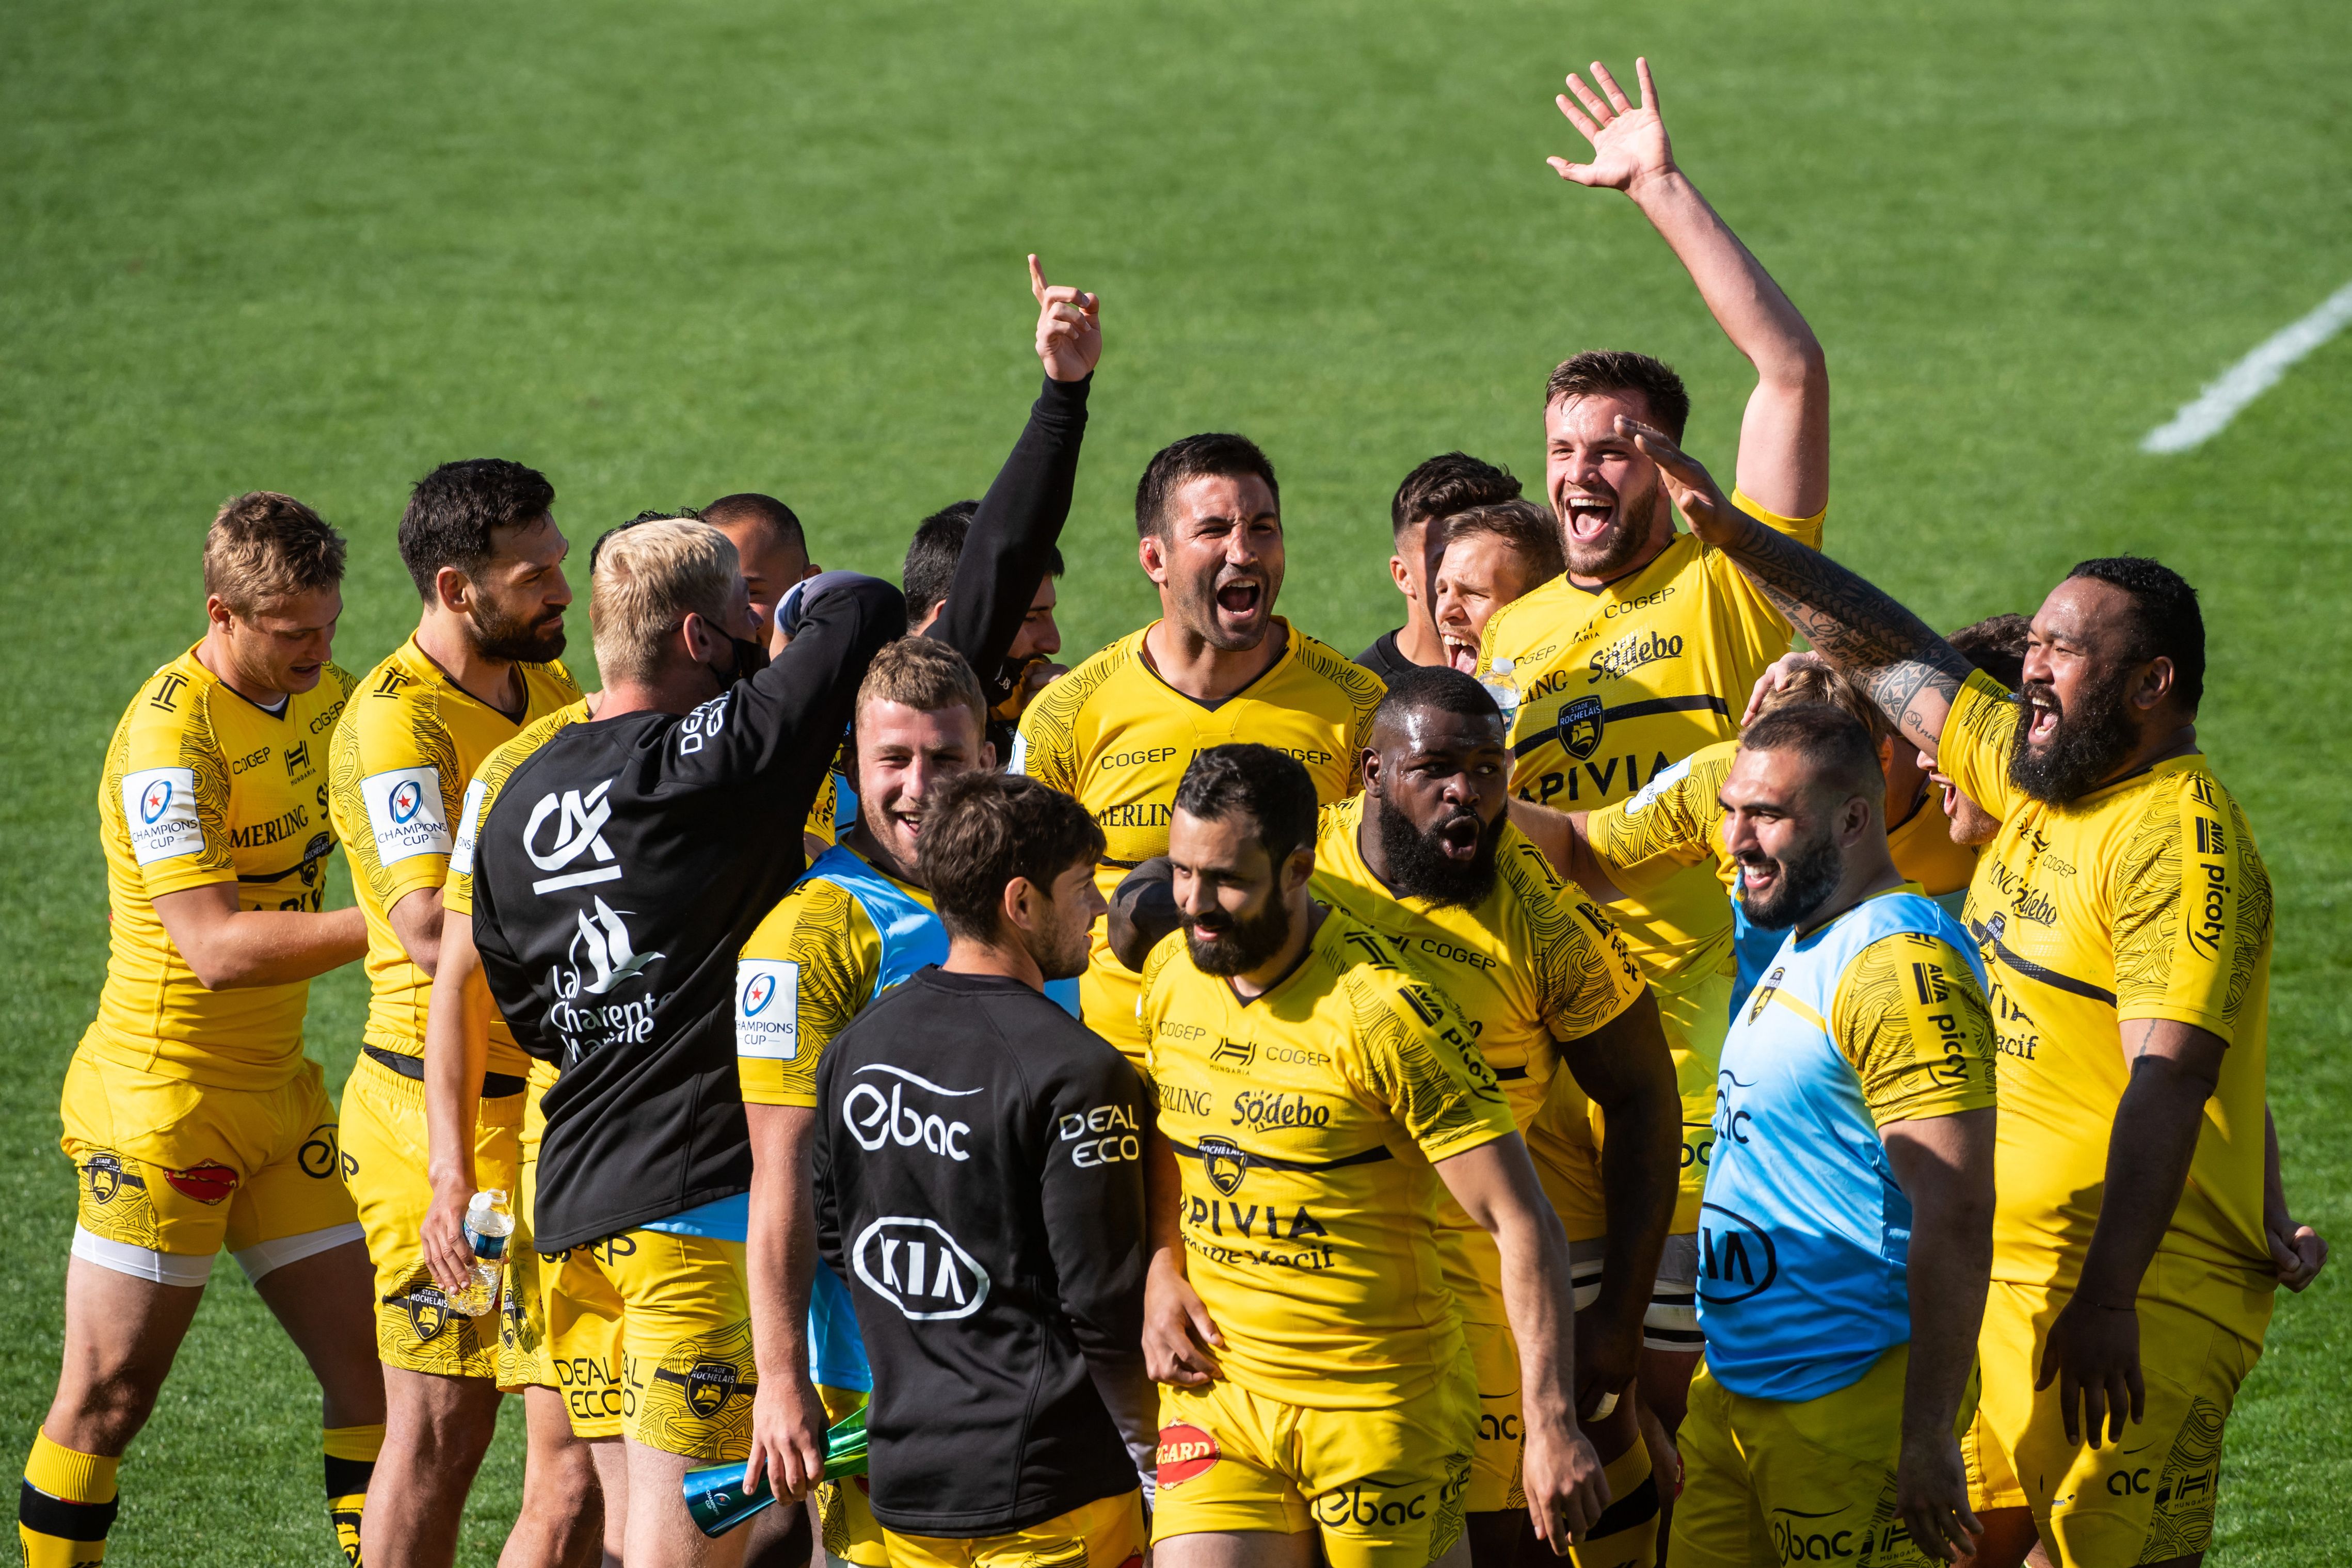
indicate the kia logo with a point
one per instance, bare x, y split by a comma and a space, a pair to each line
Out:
158, 796
916, 1267
407, 796
757, 994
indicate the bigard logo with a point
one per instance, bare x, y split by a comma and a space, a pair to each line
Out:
916, 1267
1580, 724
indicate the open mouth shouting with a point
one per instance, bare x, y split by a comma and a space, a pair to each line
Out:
1587, 515
1241, 599
2043, 715
1460, 652
1457, 837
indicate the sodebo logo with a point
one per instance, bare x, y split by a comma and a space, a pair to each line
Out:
916, 1267
874, 1121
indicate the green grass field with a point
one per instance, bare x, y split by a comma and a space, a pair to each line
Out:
664, 253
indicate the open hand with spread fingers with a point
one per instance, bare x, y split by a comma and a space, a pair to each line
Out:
1629, 140
1069, 327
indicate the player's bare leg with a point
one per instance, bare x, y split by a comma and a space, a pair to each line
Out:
435, 1431
122, 1334
611, 1458
561, 1524
1248, 1549
326, 1304
661, 1533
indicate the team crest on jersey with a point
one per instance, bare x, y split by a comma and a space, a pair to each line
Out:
1580, 723
1764, 992
1224, 1164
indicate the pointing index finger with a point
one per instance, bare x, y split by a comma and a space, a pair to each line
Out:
1036, 279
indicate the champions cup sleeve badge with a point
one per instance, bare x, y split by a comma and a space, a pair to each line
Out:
1580, 723
1224, 1164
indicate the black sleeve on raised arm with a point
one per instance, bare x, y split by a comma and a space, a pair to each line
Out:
1018, 522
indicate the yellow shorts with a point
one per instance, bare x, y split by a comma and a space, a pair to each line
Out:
2144, 1499
1384, 1488
1106, 1533
1566, 1137
681, 1322
383, 1165
1767, 1480
851, 1532
171, 1172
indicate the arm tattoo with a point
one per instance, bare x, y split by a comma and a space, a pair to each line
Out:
1910, 671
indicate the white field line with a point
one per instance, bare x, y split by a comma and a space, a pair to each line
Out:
2249, 377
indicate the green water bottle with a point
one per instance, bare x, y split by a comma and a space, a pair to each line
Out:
715, 1494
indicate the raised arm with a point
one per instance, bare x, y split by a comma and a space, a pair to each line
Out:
1784, 438
1910, 671
1022, 515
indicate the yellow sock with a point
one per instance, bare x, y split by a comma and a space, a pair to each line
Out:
67, 1506
350, 1461
1626, 1536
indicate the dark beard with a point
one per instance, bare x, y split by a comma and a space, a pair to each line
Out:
2089, 743
1244, 944
514, 639
1806, 884
1419, 866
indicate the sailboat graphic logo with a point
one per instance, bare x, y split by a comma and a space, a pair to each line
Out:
609, 952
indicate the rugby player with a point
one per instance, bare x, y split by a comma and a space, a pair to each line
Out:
980, 1182
1848, 1230
192, 1117
1995, 644
1447, 483
1118, 731
2125, 916
1427, 858
769, 541
1029, 667
480, 541
1483, 559
1643, 651
639, 844
1317, 1101
860, 922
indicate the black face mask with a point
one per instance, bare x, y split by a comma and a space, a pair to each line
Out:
751, 658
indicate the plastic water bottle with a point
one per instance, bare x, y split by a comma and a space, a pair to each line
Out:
1503, 685
715, 1495
489, 1222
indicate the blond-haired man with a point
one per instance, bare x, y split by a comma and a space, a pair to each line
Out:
191, 1114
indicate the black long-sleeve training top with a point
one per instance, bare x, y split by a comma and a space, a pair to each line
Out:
980, 1187
677, 833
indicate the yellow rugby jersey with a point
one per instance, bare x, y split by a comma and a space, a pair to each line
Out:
2147, 899
828, 805
1618, 683
1677, 824
1911, 1021
201, 786
1533, 963
1116, 736
1305, 1124
457, 890
402, 758
823, 946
